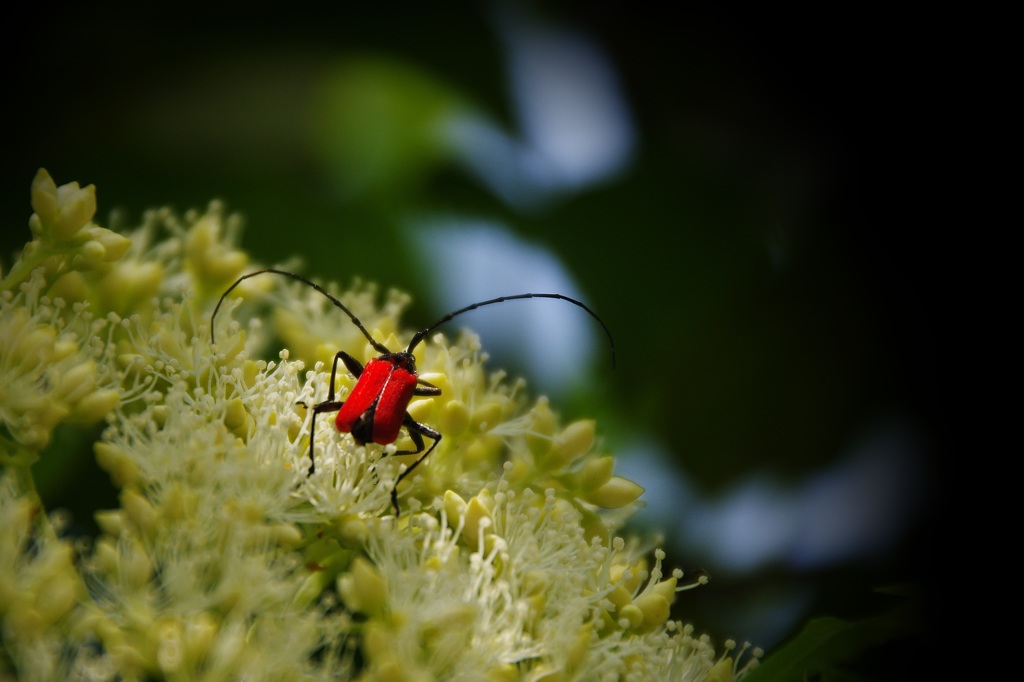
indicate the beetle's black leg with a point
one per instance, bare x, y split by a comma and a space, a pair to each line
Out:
416, 432
354, 367
326, 406
425, 388
330, 405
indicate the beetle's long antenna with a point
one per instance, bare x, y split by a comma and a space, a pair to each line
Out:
420, 335
381, 348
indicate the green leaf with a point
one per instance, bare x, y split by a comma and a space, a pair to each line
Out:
825, 644
381, 124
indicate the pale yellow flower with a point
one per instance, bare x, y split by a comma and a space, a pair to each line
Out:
224, 559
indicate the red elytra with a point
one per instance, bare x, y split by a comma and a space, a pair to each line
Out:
377, 407
373, 411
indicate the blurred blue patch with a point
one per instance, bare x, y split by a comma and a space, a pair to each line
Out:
860, 507
473, 260
575, 127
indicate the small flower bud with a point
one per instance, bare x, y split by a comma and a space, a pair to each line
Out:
138, 509
620, 597
113, 244
454, 507
483, 450
597, 472
312, 587
129, 284
721, 671
44, 202
71, 286
76, 383
485, 417
30, 349
62, 211
576, 439
629, 576
376, 643
96, 405
90, 254
615, 494
236, 418
363, 588
135, 567
478, 517
63, 348
122, 468
213, 262
286, 535
59, 595
632, 615
517, 470
542, 428
579, 647
104, 556
422, 409
77, 206
173, 502
666, 588
453, 418
655, 610
353, 530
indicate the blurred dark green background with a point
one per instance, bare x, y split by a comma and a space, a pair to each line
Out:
760, 260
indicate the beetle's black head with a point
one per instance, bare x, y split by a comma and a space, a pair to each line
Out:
402, 359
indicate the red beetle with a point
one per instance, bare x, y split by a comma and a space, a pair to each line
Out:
376, 409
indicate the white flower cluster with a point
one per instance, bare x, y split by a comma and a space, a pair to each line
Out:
225, 560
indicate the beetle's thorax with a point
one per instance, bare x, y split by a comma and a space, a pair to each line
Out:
402, 359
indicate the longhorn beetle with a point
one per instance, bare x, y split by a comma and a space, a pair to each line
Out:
376, 408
